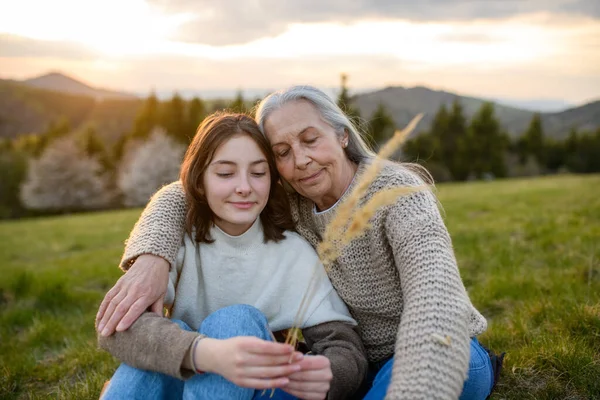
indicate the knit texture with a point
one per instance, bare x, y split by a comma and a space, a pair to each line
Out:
399, 280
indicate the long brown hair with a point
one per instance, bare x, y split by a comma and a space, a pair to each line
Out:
215, 130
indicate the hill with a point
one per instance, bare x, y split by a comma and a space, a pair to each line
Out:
404, 103
25, 109
29, 106
62, 83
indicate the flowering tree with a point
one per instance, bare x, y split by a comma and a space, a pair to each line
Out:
148, 167
64, 178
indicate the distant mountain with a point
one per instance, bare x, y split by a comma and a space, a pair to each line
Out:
536, 105
25, 109
29, 106
404, 103
59, 82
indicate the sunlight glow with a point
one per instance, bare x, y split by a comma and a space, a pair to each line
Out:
121, 30
114, 27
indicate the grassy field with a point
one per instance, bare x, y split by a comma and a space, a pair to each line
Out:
528, 251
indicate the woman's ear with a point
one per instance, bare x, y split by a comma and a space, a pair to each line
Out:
345, 138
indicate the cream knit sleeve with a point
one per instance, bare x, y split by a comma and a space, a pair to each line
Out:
432, 345
159, 231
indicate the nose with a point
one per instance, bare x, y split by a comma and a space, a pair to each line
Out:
301, 158
243, 187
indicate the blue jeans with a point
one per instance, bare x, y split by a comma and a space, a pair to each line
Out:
238, 320
478, 385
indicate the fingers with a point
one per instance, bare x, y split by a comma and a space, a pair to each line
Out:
119, 305
270, 372
110, 307
262, 360
104, 305
263, 347
322, 375
313, 381
136, 309
263, 383
157, 307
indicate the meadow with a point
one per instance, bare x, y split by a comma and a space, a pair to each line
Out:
528, 252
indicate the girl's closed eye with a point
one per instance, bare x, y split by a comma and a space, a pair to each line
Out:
224, 174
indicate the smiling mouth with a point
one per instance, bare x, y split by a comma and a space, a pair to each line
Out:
244, 205
313, 176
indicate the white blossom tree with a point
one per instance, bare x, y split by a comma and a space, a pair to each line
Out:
148, 167
64, 178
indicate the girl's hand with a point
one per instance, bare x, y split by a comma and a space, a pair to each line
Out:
248, 361
313, 382
144, 285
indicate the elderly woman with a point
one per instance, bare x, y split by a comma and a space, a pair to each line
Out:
399, 280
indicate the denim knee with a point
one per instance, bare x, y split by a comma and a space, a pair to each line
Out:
182, 324
236, 320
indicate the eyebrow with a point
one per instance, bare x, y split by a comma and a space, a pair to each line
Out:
227, 162
298, 134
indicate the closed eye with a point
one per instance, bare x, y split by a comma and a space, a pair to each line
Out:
224, 174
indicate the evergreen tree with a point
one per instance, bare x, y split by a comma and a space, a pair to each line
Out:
238, 104
174, 120
93, 146
344, 101
147, 119
381, 126
454, 143
196, 113
438, 130
534, 139
489, 144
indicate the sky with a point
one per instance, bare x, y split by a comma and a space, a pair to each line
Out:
517, 49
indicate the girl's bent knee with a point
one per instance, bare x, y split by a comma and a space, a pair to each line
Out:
236, 320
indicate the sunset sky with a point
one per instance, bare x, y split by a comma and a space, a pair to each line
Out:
519, 49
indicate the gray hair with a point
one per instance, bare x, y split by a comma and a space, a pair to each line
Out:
357, 149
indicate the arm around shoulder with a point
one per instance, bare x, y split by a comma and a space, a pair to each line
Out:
160, 228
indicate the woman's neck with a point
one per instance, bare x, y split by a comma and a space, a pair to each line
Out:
345, 179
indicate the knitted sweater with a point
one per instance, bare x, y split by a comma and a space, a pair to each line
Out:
399, 280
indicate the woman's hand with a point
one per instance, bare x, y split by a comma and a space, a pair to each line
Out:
144, 285
248, 361
313, 381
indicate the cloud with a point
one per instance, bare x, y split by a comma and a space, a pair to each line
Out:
235, 22
18, 46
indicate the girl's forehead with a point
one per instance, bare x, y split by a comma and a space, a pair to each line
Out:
238, 148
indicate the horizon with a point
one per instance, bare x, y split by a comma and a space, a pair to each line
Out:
513, 52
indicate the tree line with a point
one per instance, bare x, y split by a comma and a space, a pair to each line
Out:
62, 169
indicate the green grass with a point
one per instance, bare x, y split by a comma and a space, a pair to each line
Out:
528, 251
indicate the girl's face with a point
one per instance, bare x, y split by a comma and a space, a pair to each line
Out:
237, 183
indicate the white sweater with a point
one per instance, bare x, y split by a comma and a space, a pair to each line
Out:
244, 269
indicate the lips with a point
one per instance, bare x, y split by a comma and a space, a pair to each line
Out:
311, 177
242, 205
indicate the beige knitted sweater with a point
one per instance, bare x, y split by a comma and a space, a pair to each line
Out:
399, 280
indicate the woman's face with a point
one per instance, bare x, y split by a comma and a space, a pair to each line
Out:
309, 154
237, 183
